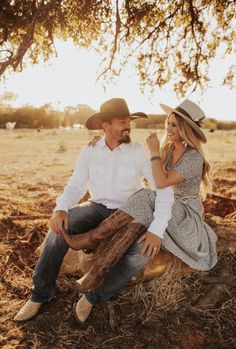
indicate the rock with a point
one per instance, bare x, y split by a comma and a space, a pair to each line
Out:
77, 262
226, 231
219, 205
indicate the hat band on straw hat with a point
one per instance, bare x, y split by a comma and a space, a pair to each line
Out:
191, 113
181, 110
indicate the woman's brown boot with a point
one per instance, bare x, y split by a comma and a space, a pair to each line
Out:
91, 239
108, 253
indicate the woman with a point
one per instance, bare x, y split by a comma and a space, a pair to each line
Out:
179, 163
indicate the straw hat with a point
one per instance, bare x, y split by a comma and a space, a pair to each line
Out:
113, 108
191, 113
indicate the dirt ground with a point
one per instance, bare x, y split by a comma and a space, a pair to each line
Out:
158, 314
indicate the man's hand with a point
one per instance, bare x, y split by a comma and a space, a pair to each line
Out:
152, 244
59, 221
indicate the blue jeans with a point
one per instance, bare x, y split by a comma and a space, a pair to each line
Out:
81, 219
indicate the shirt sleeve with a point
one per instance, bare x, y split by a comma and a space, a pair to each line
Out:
192, 166
163, 211
77, 185
163, 202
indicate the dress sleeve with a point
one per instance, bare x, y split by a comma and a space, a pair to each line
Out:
191, 165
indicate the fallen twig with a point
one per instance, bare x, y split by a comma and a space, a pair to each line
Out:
22, 217
112, 316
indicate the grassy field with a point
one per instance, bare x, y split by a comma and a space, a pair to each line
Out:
35, 166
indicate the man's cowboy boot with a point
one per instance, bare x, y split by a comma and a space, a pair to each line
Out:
29, 310
108, 253
91, 239
82, 309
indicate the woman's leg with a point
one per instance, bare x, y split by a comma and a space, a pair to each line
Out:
91, 239
109, 252
119, 274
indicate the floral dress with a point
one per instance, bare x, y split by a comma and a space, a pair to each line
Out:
187, 236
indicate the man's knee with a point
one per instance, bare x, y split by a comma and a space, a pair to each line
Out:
73, 220
56, 241
136, 261
133, 261
83, 217
135, 248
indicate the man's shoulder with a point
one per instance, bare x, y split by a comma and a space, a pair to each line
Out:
89, 149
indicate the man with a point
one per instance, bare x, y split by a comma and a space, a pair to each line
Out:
112, 171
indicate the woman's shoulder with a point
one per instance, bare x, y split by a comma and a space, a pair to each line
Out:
194, 154
191, 164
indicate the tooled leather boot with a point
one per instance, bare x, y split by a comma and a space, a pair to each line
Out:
108, 253
91, 239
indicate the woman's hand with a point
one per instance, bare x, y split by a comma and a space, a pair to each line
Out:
153, 143
151, 245
94, 141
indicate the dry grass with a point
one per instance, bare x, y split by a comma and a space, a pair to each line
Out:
155, 314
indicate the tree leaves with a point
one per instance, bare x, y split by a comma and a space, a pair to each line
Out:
164, 40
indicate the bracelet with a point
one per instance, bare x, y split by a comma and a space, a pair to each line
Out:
155, 158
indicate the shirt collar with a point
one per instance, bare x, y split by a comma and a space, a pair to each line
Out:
122, 146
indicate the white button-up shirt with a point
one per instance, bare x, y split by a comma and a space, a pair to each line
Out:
111, 177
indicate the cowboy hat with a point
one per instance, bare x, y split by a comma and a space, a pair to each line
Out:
113, 108
191, 113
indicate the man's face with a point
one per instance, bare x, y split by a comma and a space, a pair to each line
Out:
118, 129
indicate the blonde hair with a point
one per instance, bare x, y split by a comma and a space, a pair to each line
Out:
193, 140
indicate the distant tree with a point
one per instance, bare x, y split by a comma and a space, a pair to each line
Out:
6, 114
226, 125
83, 113
153, 121
166, 40
77, 115
31, 117
7, 97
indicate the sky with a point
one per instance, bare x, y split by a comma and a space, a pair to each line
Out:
70, 79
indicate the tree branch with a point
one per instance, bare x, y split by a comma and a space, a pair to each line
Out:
114, 50
15, 60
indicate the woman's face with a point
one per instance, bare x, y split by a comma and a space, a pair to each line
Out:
172, 129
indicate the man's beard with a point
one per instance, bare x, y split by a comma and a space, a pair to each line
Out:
125, 138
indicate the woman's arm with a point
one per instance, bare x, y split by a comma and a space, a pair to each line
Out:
161, 178
152, 244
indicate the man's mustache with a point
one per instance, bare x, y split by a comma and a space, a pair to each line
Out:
126, 129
